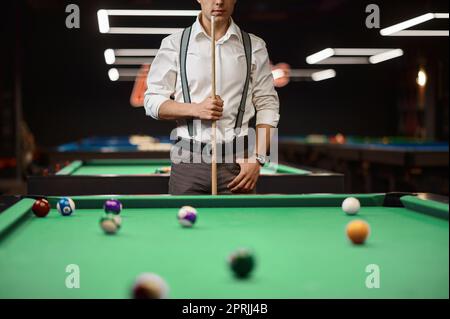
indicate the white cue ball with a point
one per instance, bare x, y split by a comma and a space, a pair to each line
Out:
351, 206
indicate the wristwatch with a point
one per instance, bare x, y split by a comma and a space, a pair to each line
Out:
261, 159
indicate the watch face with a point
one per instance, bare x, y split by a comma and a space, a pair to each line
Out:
261, 159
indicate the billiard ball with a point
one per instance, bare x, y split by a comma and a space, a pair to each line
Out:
358, 231
150, 286
65, 206
351, 206
110, 223
41, 207
163, 170
113, 206
241, 263
187, 216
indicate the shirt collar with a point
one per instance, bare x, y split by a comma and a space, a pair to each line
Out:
233, 30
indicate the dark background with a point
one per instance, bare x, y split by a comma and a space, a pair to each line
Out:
67, 95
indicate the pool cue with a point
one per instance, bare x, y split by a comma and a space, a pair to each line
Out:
213, 96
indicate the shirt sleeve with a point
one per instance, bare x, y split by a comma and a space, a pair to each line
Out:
265, 97
162, 77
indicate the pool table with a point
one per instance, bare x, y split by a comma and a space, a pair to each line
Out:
298, 241
111, 147
142, 176
375, 164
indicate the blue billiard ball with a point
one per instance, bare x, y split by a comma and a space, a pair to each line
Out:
65, 206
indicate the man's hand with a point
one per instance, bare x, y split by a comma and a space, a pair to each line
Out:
209, 109
245, 182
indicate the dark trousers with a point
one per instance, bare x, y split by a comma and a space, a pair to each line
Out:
188, 177
195, 178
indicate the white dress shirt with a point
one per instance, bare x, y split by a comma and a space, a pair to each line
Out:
164, 80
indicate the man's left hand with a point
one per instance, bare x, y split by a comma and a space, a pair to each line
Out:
245, 182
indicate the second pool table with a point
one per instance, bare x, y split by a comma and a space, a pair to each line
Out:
142, 176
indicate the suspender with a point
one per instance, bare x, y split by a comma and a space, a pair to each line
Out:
184, 82
248, 55
185, 85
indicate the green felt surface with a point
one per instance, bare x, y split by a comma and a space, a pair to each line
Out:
301, 250
146, 167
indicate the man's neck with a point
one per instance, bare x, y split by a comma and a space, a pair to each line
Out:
221, 28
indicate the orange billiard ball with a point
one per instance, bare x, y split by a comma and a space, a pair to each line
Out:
358, 231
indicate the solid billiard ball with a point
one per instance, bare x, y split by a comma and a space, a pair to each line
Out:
150, 286
241, 263
65, 206
358, 231
187, 216
113, 206
110, 223
351, 206
41, 207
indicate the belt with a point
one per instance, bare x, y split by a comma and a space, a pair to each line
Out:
195, 146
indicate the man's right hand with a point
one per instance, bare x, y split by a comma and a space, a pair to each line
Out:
209, 109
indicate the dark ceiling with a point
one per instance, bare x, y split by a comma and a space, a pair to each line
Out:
66, 66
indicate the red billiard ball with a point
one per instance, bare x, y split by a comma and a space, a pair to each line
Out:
41, 207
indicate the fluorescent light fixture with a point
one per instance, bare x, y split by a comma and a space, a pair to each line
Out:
103, 21
400, 28
357, 52
129, 72
345, 60
154, 13
127, 30
349, 55
136, 52
421, 33
129, 56
381, 57
113, 74
303, 73
133, 61
306, 74
319, 56
323, 75
441, 15
110, 57
421, 78
407, 24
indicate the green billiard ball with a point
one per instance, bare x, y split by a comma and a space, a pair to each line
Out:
241, 263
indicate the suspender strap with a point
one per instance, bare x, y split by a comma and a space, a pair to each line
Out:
248, 55
185, 85
184, 82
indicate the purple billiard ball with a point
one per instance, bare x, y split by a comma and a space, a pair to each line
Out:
112, 206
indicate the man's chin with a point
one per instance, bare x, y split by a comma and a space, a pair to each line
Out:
221, 18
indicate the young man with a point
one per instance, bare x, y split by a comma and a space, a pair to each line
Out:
185, 75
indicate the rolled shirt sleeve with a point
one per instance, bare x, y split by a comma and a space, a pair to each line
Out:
162, 77
265, 97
